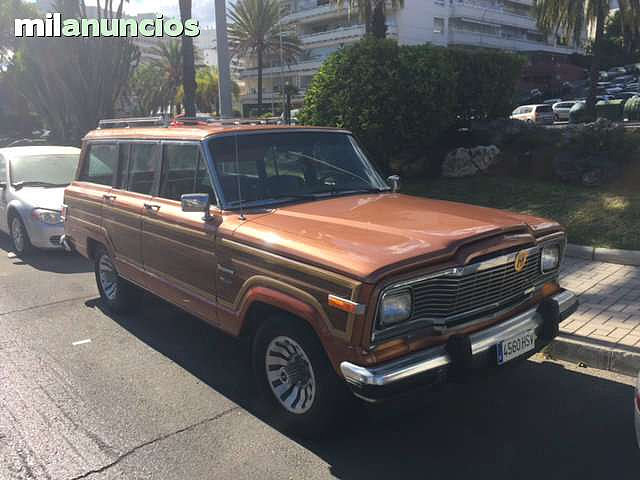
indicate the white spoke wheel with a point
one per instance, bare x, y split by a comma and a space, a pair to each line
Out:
108, 277
290, 375
298, 386
117, 294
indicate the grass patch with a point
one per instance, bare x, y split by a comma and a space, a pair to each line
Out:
602, 217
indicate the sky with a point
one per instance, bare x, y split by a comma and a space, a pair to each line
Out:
202, 10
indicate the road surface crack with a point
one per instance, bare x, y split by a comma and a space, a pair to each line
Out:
155, 440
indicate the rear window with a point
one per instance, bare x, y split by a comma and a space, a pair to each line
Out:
544, 109
100, 164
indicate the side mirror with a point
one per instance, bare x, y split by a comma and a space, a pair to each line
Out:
196, 202
394, 182
3, 185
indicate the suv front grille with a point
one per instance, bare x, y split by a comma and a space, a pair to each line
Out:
460, 295
451, 297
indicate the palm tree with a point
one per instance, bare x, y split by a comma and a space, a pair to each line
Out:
577, 18
167, 60
255, 29
371, 12
188, 64
52, 74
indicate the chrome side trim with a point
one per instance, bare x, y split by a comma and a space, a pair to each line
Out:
437, 357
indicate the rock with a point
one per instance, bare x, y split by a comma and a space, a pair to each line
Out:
567, 166
592, 178
466, 162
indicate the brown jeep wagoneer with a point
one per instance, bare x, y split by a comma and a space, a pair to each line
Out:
289, 236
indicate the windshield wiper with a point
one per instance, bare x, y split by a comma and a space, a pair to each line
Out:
19, 185
357, 190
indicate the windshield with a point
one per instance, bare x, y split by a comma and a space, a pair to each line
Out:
283, 166
45, 170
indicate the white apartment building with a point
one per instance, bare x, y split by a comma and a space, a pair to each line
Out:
323, 29
206, 45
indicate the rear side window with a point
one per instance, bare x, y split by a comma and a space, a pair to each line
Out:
143, 164
184, 172
100, 164
544, 109
3, 170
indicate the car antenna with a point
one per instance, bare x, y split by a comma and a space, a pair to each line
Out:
242, 217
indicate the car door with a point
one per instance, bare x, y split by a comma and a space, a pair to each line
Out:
178, 248
4, 180
138, 169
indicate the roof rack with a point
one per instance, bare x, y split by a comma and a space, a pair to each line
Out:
132, 122
220, 121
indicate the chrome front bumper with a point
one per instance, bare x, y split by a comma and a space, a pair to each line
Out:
437, 359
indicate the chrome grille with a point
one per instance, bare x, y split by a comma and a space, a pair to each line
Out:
456, 295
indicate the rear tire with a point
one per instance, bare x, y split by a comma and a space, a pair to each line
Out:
118, 295
298, 385
19, 236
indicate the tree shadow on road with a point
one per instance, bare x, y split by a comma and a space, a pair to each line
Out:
530, 421
55, 261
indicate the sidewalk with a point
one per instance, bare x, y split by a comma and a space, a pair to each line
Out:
605, 330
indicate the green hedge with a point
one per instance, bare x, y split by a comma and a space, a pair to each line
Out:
399, 100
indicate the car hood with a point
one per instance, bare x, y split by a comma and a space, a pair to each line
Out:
39, 197
361, 234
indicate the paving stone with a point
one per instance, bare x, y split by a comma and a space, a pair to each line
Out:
609, 296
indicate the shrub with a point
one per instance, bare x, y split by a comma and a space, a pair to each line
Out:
611, 110
485, 83
579, 113
399, 100
632, 109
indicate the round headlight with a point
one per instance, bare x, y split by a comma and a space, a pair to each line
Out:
395, 308
550, 258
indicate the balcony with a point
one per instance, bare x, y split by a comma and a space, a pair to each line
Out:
269, 97
338, 35
312, 13
482, 11
461, 37
305, 66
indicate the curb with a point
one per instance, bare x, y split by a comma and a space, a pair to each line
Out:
603, 356
609, 255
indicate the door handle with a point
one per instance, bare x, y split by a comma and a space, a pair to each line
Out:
109, 197
153, 207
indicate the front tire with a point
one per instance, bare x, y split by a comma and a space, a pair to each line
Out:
19, 236
117, 294
300, 388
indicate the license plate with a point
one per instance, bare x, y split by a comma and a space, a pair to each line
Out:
516, 346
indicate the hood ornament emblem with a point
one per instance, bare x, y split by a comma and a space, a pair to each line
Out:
521, 261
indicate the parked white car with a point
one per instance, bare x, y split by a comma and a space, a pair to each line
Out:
561, 110
541, 114
32, 183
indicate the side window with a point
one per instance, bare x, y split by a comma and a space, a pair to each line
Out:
3, 170
100, 163
122, 180
184, 171
143, 163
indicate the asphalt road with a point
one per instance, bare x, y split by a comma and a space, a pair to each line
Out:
162, 395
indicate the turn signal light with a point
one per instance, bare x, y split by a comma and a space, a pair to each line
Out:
346, 305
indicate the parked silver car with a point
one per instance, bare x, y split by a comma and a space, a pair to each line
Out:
561, 110
32, 183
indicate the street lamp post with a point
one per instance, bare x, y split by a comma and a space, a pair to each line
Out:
224, 73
